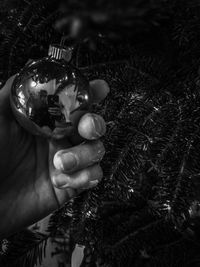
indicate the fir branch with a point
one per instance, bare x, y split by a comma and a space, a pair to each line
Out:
25, 250
134, 234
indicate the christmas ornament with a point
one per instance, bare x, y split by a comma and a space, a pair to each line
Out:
48, 96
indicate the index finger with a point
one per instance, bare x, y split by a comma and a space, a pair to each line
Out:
100, 89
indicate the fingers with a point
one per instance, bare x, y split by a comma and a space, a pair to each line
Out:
86, 178
79, 157
100, 89
91, 126
78, 167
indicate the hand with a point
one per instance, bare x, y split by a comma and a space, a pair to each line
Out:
37, 176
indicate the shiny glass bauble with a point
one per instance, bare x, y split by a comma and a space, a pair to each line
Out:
48, 97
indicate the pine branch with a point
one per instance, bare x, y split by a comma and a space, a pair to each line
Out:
25, 249
134, 234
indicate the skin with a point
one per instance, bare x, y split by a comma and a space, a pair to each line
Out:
38, 175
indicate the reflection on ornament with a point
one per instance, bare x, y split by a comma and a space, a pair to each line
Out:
167, 206
29, 111
22, 99
47, 97
194, 209
88, 214
33, 84
156, 109
131, 190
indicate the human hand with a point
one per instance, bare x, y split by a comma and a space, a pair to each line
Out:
38, 175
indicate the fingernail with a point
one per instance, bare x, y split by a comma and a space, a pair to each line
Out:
99, 126
58, 162
61, 181
66, 161
69, 161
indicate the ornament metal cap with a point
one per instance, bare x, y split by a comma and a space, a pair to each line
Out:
60, 52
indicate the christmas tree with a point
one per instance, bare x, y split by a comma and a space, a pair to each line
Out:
145, 212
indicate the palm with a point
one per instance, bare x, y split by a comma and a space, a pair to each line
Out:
26, 191
25, 187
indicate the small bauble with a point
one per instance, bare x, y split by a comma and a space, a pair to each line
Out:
49, 95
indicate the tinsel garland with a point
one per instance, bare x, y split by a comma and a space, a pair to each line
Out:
145, 212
